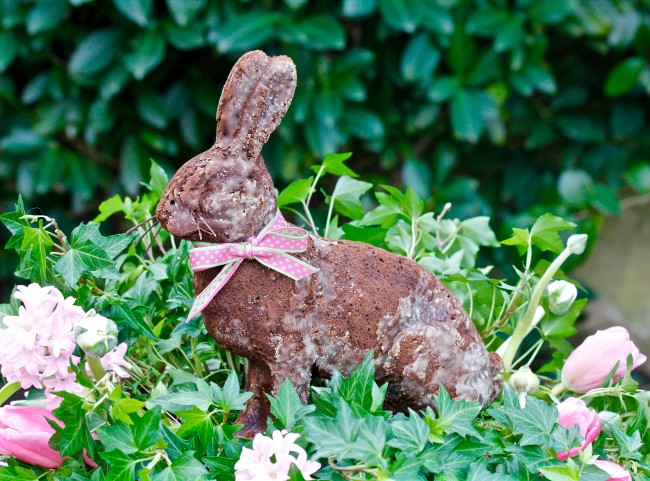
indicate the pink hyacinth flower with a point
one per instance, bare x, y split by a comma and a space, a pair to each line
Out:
25, 433
616, 472
574, 411
271, 459
591, 362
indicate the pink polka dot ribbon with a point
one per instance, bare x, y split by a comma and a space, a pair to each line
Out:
270, 248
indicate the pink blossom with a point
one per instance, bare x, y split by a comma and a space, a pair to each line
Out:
591, 362
36, 346
25, 433
616, 472
114, 361
257, 465
574, 411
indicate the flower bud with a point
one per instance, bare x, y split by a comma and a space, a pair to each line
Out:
590, 363
524, 380
561, 295
577, 243
96, 335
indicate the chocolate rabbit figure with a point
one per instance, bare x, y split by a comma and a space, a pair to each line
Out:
361, 298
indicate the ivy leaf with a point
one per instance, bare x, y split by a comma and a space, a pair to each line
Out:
358, 388
347, 196
121, 465
123, 314
544, 233
454, 416
138, 11
296, 192
182, 401
334, 436
535, 422
75, 436
183, 468
410, 436
287, 407
196, 421
370, 441
335, 164
146, 428
229, 397
628, 445
118, 437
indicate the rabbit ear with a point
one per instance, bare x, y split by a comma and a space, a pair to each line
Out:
256, 96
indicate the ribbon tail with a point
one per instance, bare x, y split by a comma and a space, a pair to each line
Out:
203, 299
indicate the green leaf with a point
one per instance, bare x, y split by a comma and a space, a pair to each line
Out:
229, 397
334, 436
410, 436
400, 14
296, 192
71, 266
118, 436
196, 421
8, 49
148, 51
638, 176
335, 164
561, 473
159, 179
121, 466
358, 387
535, 422
321, 32
287, 407
358, 8
454, 416
184, 11
544, 233
347, 196
466, 115
549, 11
371, 441
94, 53
122, 313
624, 76
419, 59
75, 436
243, 32
138, 11
184, 468
46, 15
145, 429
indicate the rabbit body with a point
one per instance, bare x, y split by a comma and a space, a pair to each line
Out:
362, 298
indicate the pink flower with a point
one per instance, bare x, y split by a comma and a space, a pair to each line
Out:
256, 464
591, 362
616, 472
574, 411
114, 361
25, 433
36, 346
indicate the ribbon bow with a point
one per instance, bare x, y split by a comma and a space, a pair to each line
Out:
270, 247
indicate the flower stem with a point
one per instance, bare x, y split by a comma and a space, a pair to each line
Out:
558, 389
522, 329
8, 390
96, 367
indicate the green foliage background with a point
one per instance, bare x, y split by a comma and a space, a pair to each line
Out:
504, 108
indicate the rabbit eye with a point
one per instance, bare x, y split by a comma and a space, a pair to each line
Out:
172, 202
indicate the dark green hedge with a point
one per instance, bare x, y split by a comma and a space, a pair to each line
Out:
503, 107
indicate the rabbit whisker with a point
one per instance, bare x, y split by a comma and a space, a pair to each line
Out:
198, 227
146, 231
207, 225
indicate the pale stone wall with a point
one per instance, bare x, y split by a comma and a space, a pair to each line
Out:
618, 271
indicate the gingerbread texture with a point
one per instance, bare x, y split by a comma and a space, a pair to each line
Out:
362, 298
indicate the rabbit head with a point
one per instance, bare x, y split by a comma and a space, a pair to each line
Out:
226, 194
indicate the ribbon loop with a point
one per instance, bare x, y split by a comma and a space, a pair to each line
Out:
270, 248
